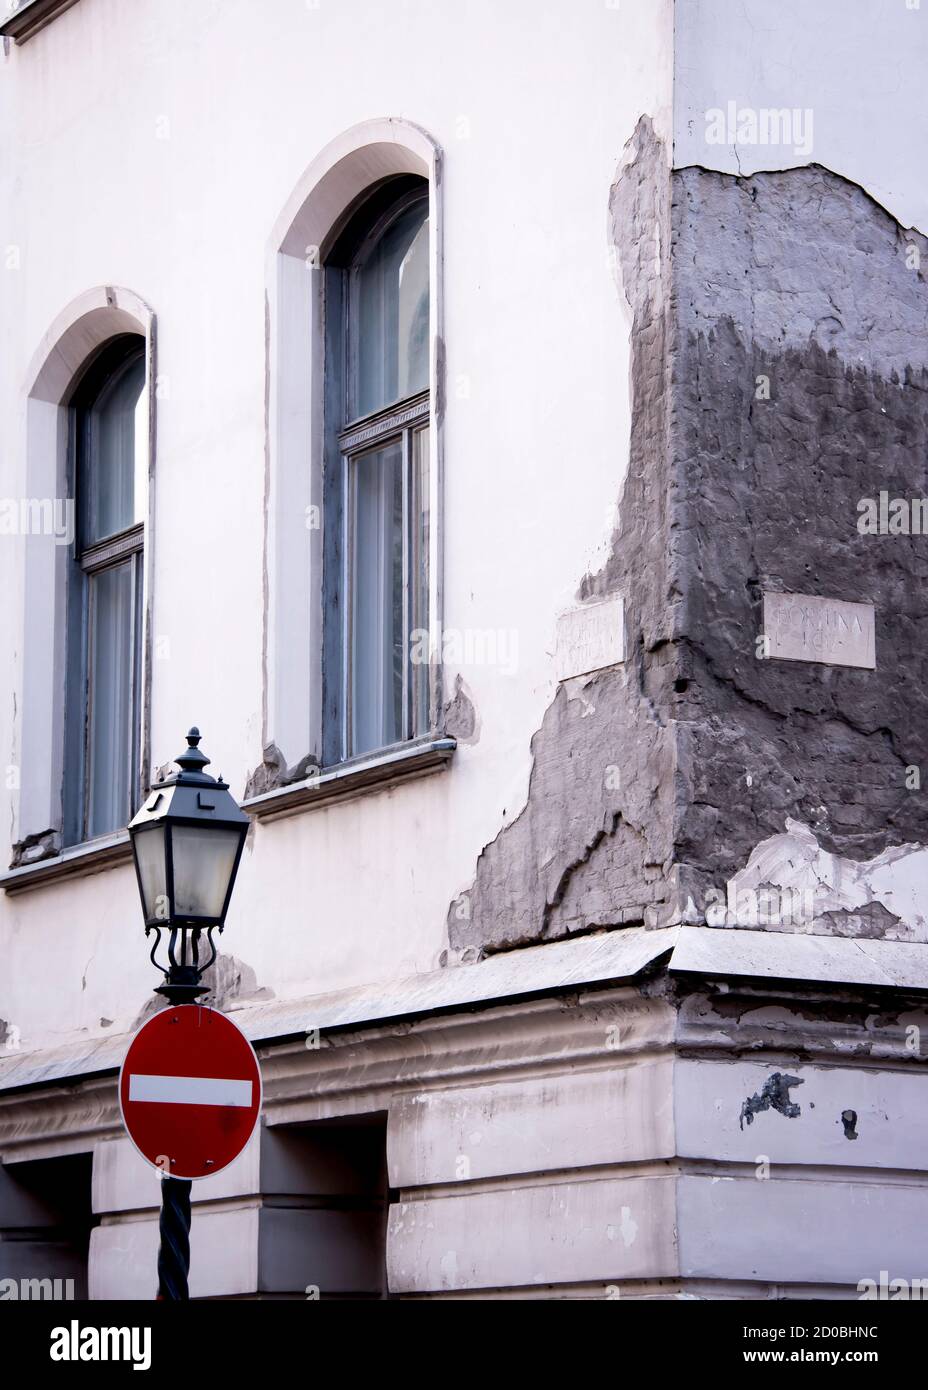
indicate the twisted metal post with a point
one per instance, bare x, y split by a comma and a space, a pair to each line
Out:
174, 1229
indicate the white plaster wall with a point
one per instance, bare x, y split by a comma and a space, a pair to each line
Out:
858, 65
153, 146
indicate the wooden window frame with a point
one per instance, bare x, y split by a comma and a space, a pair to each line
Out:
348, 440
88, 562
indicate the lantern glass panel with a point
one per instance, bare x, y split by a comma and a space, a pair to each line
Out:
204, 859
149, 855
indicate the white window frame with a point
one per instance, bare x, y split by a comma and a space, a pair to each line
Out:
295, 443
77, 334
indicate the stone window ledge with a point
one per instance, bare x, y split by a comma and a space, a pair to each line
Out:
88, 858
30, 16
375, 772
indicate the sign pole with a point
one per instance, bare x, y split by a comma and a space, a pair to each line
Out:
175, 1218
174, 1229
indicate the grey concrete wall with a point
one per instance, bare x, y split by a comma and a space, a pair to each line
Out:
779, 379
799, 278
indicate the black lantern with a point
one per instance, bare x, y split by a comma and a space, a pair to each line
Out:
187, 841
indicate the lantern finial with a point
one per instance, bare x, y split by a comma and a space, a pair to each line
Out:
192, 760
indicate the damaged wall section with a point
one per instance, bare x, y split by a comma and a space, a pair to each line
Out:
779, 377
797, 283
594, 843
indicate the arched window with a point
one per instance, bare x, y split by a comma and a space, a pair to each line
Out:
109, 466
376, 507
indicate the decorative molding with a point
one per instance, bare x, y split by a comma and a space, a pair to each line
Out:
358, 1071
372, 1067
114, 547
384, 422
83, 326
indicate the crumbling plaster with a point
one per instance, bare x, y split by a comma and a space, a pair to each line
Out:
779, 376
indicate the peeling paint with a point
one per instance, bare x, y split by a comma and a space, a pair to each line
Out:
882, 897
460, 714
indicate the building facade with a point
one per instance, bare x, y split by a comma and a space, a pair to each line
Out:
502, 431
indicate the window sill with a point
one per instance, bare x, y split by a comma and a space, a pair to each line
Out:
89, 858
373, 773
29, 17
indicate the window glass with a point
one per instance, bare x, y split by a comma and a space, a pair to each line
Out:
110, 731
392, 313
378, 639
419, 578
114, 451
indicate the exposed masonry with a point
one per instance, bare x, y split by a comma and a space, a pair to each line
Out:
802, 278
849, 1121
44, 844
797, 280
798, 1025
229, 981
774, 1096
460, 720
274, 772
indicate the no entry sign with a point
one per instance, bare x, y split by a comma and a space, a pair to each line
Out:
190, 1091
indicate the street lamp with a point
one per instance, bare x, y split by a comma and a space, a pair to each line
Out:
187, 841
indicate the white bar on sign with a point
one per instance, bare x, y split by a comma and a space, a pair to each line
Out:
190, 1090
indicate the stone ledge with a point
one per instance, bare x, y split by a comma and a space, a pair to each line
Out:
89, 858
348, 780
515, 976
32, 15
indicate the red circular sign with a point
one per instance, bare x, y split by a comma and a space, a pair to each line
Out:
190, 1091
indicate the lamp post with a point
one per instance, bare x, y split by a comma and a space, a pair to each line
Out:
187, 841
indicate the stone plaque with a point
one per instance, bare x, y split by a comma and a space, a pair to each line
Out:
590, 638
801, 627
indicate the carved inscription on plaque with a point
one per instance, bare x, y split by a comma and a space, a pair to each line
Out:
801, 627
